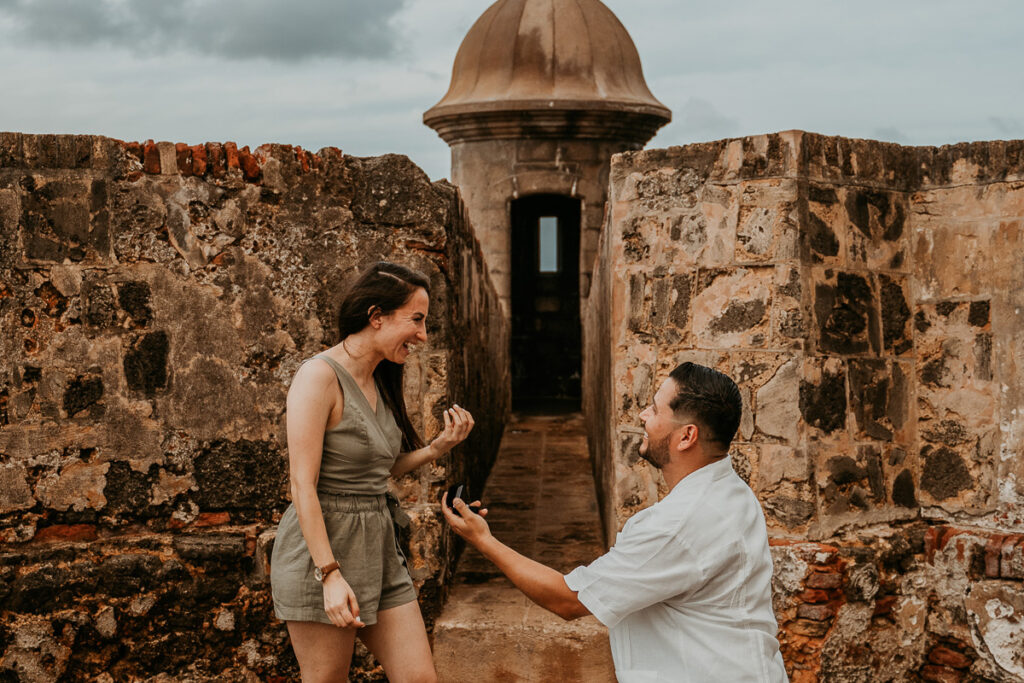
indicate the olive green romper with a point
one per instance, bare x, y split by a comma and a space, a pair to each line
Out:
357, 457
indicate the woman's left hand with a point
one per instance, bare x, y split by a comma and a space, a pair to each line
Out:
457, 425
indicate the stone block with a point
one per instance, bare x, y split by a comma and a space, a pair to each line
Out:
850, 484
15, 493
777, 464
1011, 560
731, 307
877, 232
64, 218
995, 609
77, 486
145, 363
895, 313
168, 154
880, 398
242, 474
823, 394
766, 228
944, 473
57, 151
778, 410
222, 548
846, 313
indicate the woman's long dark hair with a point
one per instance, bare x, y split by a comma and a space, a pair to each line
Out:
385, 287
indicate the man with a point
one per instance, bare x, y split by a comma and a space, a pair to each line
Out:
686, 590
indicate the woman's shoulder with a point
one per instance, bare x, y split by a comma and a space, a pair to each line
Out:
314, 373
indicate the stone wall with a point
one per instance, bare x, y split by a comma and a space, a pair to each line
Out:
867, 299
493, 173
155, 301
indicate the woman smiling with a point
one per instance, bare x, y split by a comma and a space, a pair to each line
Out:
336, 567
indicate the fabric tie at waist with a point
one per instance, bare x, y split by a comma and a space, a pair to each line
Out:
398, 515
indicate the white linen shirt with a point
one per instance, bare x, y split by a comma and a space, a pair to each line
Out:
686, 590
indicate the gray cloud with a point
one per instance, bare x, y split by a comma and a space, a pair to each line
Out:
235, 29
1011, 128
699, 119
889, 134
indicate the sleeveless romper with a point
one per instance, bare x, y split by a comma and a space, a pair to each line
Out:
352, 488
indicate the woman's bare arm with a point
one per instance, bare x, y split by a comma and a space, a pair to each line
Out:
457, 425
311, 399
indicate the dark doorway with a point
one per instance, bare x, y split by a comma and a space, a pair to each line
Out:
545, 353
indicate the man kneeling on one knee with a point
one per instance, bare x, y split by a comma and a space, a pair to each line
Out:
686, 590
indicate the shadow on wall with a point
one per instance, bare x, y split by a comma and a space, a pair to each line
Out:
156, 300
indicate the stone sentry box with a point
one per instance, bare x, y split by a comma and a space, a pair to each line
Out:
868, 300
155, 300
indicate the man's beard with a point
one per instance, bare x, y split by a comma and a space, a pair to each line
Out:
656, 453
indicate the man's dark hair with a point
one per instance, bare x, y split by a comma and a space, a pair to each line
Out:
710, 398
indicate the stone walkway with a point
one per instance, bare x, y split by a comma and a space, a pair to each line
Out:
542, 503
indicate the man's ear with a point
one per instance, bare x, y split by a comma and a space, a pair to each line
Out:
688, 436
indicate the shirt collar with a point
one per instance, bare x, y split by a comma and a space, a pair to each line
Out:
705, 475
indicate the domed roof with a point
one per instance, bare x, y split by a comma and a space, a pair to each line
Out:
544, 55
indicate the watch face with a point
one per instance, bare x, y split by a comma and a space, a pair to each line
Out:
317, 574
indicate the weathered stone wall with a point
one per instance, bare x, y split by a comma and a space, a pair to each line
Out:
867, 299
155, 301
492, 173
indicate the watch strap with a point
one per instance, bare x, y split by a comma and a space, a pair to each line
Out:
323, 571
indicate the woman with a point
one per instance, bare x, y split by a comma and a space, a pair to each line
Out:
336, 567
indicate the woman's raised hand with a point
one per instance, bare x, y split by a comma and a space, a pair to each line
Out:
457, 425
340, 602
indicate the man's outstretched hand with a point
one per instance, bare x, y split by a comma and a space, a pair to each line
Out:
471, 525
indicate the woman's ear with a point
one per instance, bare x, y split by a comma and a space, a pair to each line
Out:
375, 314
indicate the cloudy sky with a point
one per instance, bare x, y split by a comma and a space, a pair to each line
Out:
358, 74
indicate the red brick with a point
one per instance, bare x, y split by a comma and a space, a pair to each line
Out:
945, 656
199, 160
135, 149
824, 580
303, 158
151, 158
183, 154
231, 154
808, 627
940, 674
67, 532
215, 159
884, 605
250, 166
813, 595
816, 612
212, 519
993, 553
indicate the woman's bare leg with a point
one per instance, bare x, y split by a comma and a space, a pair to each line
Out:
324, 651
399, 642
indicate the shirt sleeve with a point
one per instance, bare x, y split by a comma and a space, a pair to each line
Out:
645, 566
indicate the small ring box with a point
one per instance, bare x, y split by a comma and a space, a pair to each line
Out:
458, 491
